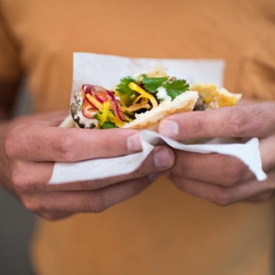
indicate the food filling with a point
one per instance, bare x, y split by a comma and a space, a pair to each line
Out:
97, 107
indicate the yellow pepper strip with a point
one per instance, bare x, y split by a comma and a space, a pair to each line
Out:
94, 102
124, 99
138, 98
104, 114
142, 92
114, 119
135, 108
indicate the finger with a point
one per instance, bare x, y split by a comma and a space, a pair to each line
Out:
223, 195
213, 168
160, 159
34, 177
237, 121
267, 150
85, 201
39, 143
52, 118
28, 177
54, 215
262, 197
47, 119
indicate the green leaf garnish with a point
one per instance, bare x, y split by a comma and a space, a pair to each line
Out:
96, 115
176, 87
123, 86
173, 88
151, 84
108, 125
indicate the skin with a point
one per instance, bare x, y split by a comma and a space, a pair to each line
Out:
30, 145
223, 180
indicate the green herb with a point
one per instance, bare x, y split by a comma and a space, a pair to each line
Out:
108, 125
173, 88
151, 84
176, 87
96, 115
123, 86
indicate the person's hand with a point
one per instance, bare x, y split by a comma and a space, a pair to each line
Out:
222, 179
29, 146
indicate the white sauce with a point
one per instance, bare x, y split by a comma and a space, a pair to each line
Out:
162, 94
88, 122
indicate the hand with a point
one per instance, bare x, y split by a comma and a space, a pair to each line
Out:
222, 179
29, 146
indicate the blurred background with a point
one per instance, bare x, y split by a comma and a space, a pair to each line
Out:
16, 223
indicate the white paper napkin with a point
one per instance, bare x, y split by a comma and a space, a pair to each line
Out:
109, 167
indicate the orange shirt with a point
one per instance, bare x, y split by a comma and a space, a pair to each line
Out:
162, 231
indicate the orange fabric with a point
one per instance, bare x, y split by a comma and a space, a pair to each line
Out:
9, 53
161, 231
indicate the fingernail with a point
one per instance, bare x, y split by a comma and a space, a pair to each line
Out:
133, 143
169, 128
163, 159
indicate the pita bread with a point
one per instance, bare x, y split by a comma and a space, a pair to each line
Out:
150, 119
68, 122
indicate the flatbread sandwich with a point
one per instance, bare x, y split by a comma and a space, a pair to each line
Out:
141, 101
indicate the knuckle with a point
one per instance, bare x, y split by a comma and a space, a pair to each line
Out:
31, 204
197, 124
237, 122
65, 147
10, 144
181, 167
94, 205
233, 172
223, 198
20, 182
93, 184
139, 173
87, 185
182, 164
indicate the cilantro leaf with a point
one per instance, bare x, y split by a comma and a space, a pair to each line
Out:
176, 87
151, 84
96, 115
108, 125
123, 86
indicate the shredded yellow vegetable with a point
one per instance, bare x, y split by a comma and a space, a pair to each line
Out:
96, 103
104, 114
114, 119
143, 93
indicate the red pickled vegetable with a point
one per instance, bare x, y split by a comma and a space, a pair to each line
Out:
116, 106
